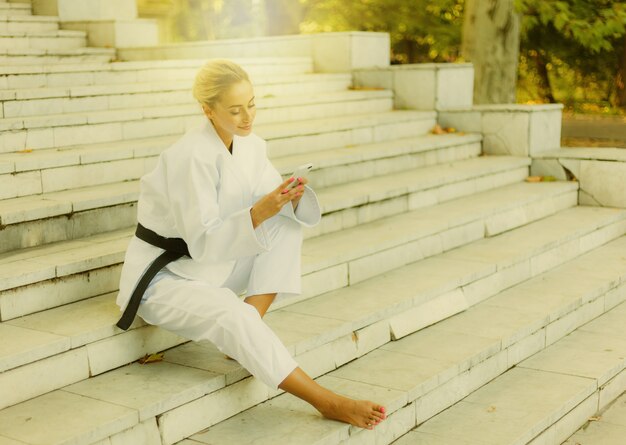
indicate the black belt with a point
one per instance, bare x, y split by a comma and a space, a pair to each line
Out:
174, 249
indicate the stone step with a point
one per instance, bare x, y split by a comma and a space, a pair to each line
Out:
607, 427
285, 139
26, 23
44, 101
15, 9
53, 40
415, 378
545, 398
83, 74
136, 123
41, 278
46, 171
50, 217
30, 56
343, 165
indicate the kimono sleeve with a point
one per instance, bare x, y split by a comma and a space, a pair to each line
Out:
307, 213
193, 190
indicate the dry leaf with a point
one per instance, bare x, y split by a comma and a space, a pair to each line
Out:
548, 179
151, 358
26, 150
437, 130
450, 130
491, 409
533, 179
595, 418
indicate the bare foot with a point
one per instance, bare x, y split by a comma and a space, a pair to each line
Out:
361, 413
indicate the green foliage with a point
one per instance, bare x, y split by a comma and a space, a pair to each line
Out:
571, 50
420, 30
589, 24
569, 44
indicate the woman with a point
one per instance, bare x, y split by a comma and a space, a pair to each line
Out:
230, 225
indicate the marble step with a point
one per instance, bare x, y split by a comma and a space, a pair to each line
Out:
432, 369
287, 139
30, 56
41, 278
46, 171
53, 40
548, 396
195, 387
65, 343
50, 217
15, 9
607, 427
44, 101
26, 23
84, 74
135, 123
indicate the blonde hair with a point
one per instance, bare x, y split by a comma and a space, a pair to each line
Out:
215, 78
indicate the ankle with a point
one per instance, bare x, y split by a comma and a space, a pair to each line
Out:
329, 402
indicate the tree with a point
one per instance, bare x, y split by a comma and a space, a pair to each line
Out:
583, 36
284, 16
620, 78
491, 43
420, 30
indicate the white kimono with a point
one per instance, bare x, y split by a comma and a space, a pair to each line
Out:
201, 193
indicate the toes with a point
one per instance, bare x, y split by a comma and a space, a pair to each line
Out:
379, 412
378, 415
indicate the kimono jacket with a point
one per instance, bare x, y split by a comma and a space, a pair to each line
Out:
201, 193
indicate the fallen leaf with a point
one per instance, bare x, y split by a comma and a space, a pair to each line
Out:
594, 418
151, 358
548, 179
26, 150
491, 409
533, 179
437, 130
450, 130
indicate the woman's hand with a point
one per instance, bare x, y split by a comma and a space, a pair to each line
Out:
271, 203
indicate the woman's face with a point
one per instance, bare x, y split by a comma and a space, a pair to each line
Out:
235, 112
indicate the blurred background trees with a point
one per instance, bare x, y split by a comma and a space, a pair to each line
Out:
570, 51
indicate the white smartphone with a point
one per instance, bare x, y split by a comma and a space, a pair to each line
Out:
300, 172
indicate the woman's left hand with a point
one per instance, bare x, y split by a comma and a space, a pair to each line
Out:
300, 188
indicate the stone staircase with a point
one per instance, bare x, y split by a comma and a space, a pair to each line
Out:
26, 39
435, 269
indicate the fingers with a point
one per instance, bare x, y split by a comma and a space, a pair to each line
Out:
281, 188
293, 192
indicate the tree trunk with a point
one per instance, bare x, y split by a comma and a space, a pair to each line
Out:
491, 31
544, 79
620, 79
283, 16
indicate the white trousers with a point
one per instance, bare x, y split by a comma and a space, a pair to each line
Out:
198, 311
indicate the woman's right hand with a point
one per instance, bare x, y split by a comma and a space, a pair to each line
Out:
271, 203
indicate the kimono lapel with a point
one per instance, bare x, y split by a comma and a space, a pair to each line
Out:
233, 162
